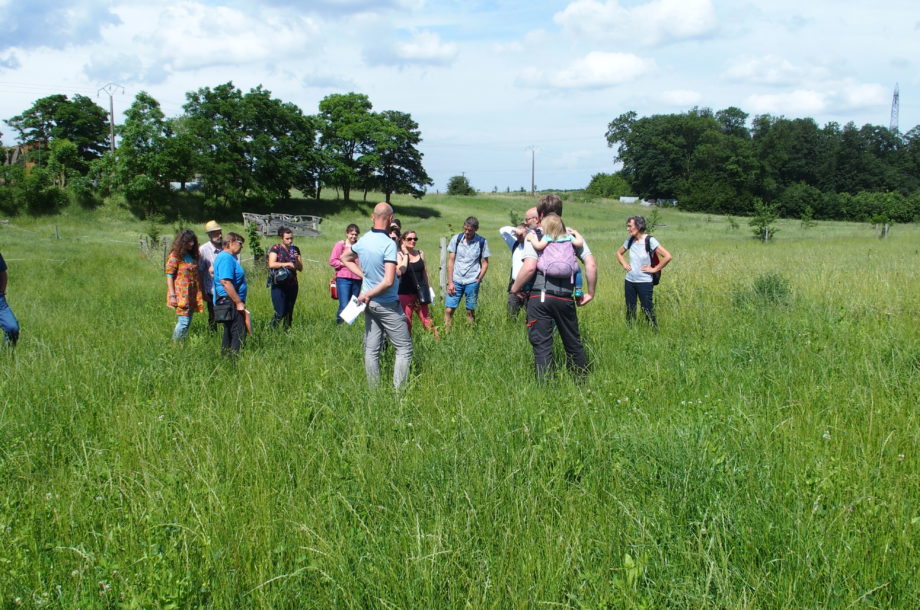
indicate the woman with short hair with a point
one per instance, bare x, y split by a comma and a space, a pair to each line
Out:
183, 290
640, 272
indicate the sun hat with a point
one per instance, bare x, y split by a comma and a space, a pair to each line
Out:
212, 225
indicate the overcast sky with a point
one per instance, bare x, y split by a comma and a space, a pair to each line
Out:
486, 80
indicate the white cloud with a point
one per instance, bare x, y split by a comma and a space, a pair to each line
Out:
123, 68
191, 36
9, 61
842, 97
798, 103
772, 70
593, 71
54, 24
653, 23
682, 97
425, 48
859, 96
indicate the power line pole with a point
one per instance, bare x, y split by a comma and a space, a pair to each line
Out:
895, 106
533, 184
110, 89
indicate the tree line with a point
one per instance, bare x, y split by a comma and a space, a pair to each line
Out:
713, 162
242, 151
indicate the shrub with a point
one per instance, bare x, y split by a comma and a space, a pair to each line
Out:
762, 222
767, 289
459, 185
608, 185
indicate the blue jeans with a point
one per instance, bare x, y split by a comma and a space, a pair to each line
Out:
182, 324
8, 323
283, 299
345, 288
642, 290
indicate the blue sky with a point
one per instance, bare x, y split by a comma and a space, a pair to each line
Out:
486, 80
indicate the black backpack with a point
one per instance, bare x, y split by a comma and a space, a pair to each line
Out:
652, 255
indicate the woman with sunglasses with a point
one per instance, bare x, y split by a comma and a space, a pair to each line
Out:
414, 288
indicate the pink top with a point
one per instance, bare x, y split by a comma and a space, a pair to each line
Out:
341, 270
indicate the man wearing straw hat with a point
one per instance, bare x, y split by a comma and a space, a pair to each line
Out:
207, 252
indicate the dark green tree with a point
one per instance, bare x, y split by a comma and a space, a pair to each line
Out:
246, 146
398, 163
79, 120
348, 131
608, 185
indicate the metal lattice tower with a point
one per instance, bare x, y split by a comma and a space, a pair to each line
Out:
895, 104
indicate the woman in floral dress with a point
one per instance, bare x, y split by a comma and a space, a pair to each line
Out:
183, 292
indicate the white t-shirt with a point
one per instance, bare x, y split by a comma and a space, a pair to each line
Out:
639, 258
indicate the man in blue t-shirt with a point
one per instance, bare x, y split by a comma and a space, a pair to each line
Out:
8, 321
376, 253
230, 293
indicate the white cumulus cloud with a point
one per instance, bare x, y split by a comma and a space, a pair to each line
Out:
801, 102
593, 71
425, 48
652, 23
833, 97
772, 70
191, 36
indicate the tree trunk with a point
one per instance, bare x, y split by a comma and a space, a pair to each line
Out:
388, 193
346, 192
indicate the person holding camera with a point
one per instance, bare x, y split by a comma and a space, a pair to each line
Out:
284, 261
230, 290
414, 288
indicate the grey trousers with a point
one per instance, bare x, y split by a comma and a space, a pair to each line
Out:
386, 319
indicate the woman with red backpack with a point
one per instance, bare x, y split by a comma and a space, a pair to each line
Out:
647, 258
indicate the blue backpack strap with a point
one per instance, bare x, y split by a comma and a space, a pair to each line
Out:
476, 239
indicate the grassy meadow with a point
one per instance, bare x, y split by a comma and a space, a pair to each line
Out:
759, 451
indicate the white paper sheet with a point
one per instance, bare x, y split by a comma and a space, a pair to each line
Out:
352, 310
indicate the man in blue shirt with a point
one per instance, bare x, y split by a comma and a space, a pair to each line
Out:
8, 321
467, 262
230, 294
377, 254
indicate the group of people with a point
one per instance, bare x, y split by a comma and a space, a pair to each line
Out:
546, 280
468, 260
210, 275
384, 271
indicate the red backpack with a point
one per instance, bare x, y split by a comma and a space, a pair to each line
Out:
652, 255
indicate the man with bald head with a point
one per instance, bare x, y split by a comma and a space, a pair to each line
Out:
514, 237
383, 316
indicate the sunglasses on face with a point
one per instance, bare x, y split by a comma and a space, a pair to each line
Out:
412, 239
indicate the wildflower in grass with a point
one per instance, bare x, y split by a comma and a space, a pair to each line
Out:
827, 435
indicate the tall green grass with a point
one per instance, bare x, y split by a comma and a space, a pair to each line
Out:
758, 451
